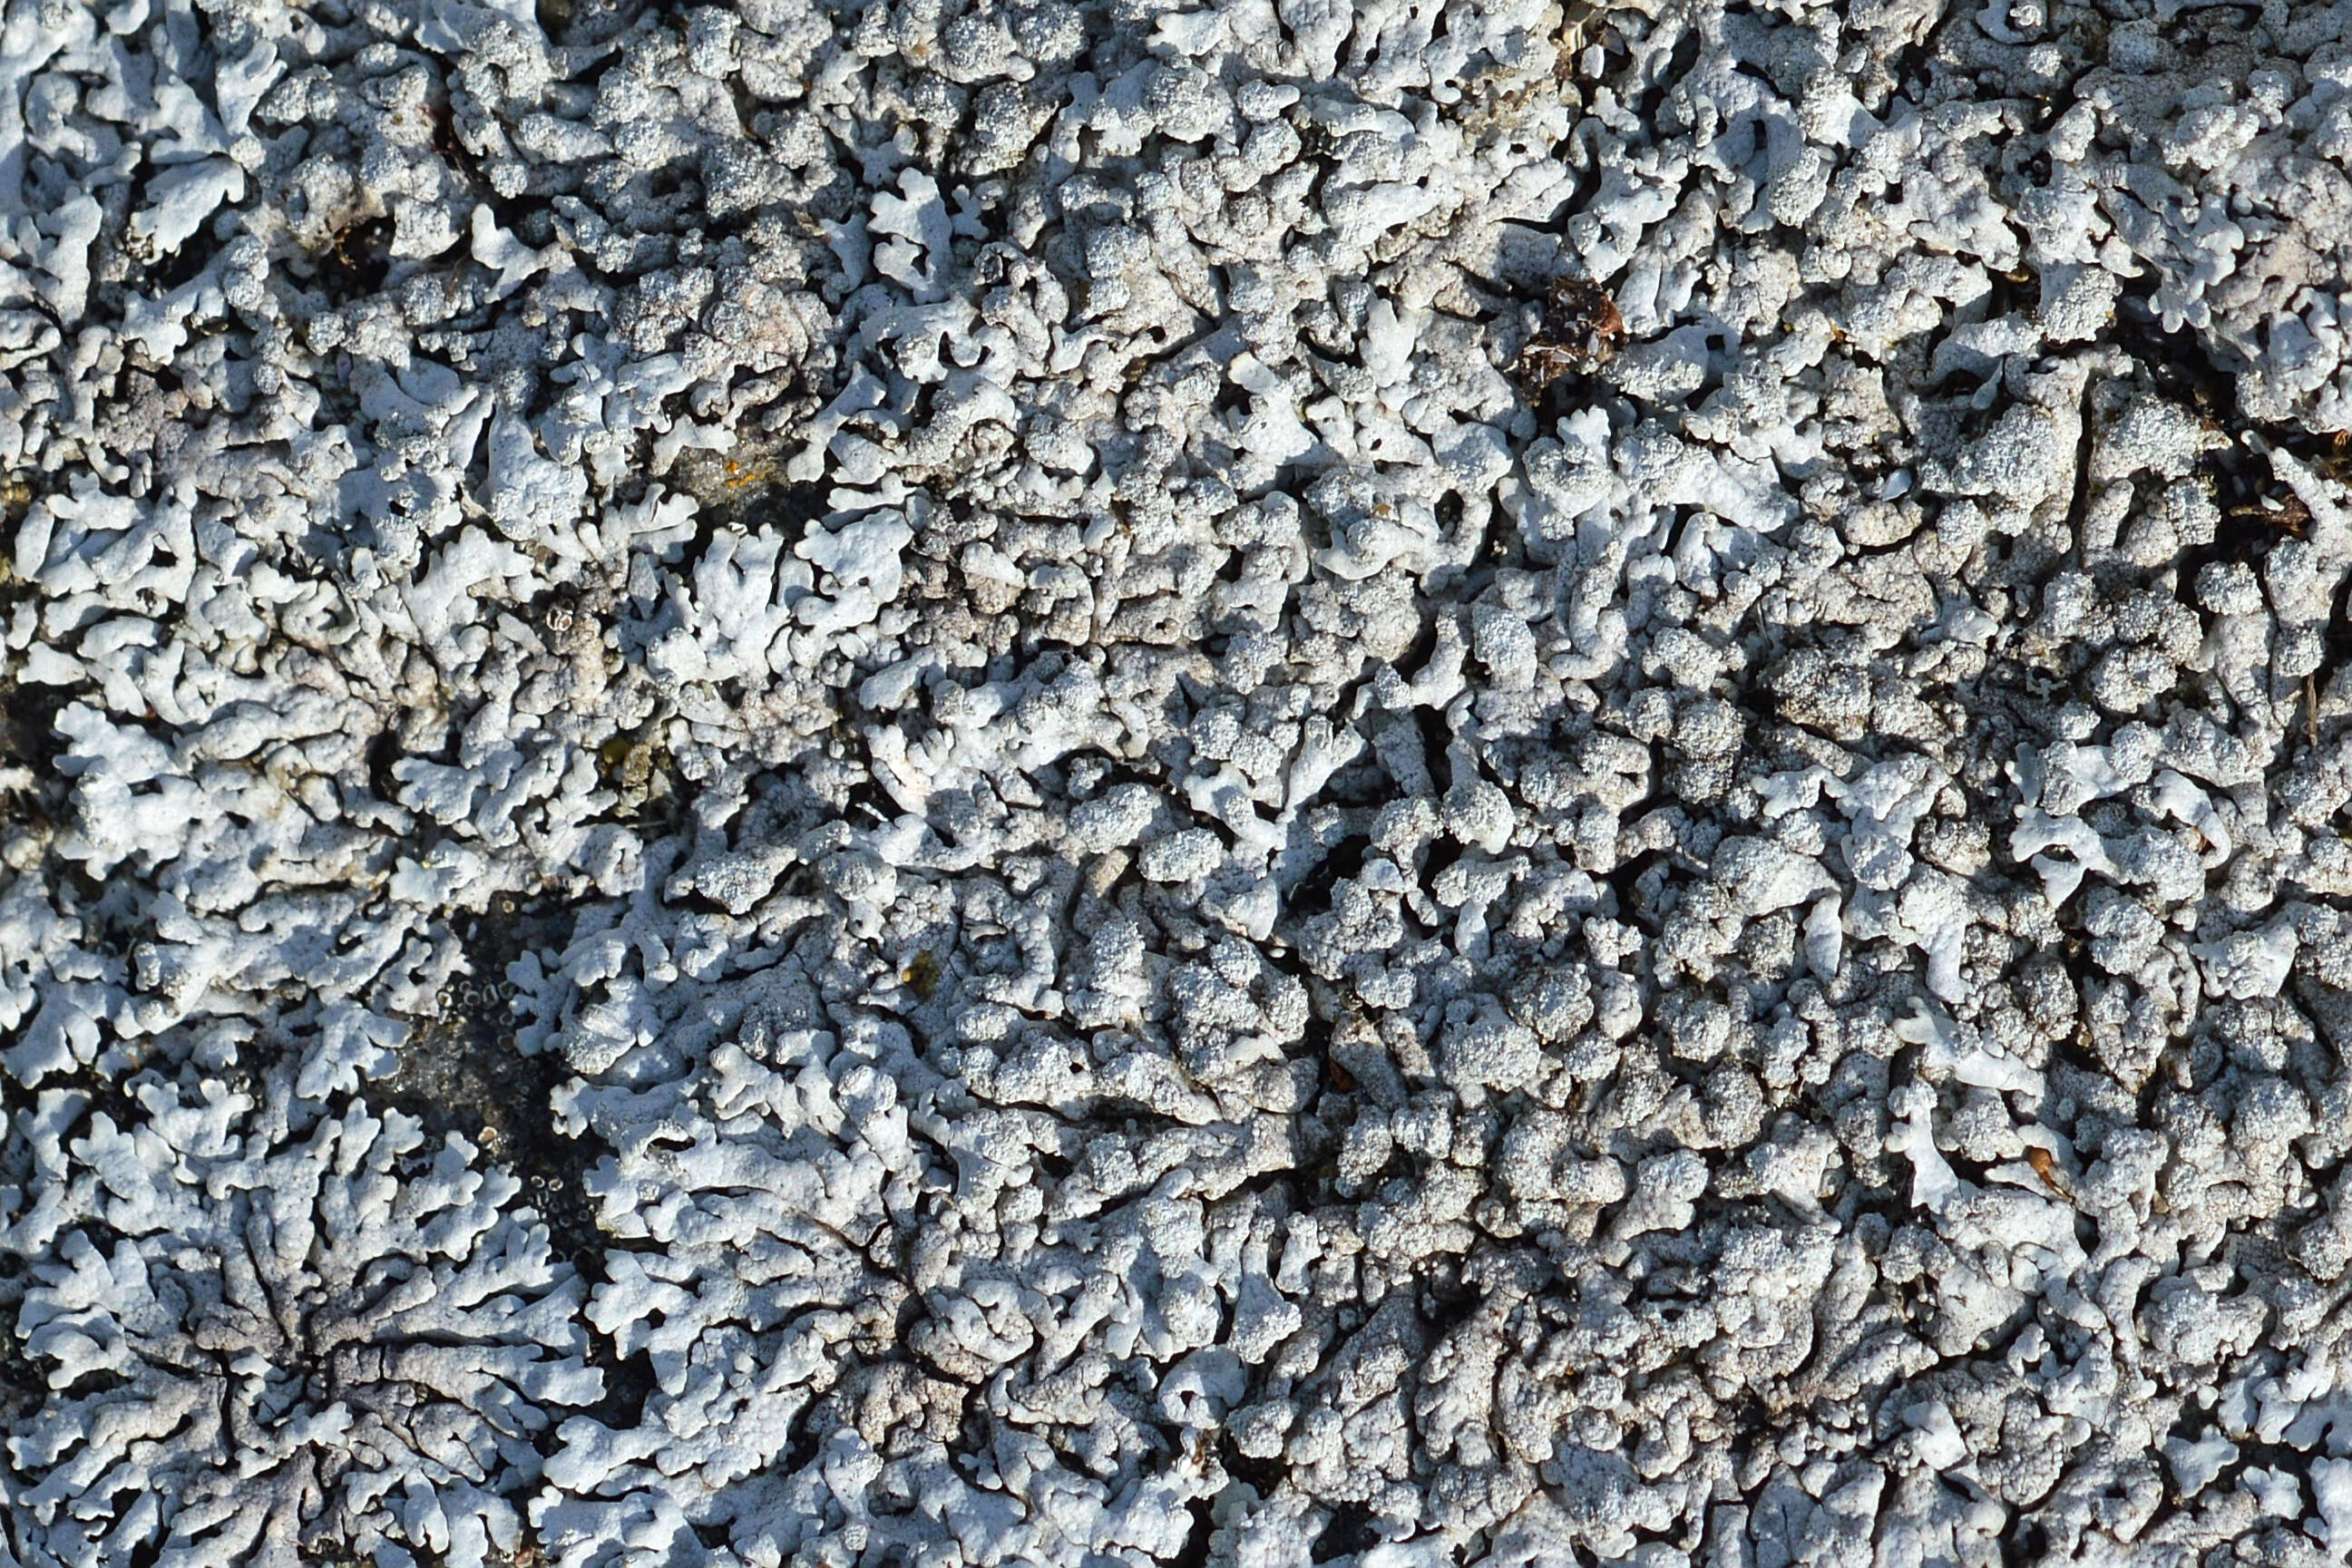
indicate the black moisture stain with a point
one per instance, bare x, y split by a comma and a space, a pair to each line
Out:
29, 740
1349, 1532
356, 265
1194, 1553
464, 1072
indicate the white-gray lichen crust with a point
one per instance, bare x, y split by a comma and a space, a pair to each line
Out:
1256, 782
272, 1347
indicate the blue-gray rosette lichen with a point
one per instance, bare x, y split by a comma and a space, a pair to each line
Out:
271, 1344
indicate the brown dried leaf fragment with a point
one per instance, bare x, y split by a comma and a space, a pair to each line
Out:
1581, 332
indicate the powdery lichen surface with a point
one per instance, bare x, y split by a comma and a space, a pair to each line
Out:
1086, 783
